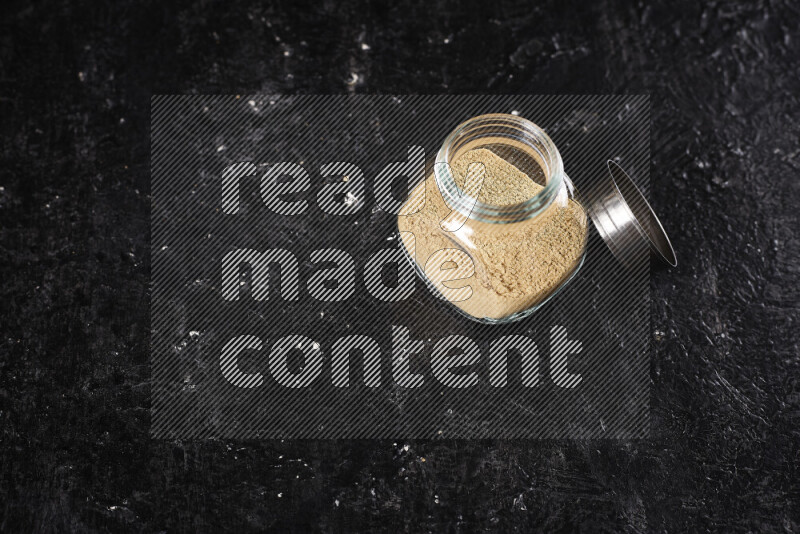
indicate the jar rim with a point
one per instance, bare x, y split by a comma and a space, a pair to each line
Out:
500, 128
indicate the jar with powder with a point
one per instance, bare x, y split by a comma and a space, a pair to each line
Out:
497, 228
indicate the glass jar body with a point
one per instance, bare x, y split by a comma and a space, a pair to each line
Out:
496, 229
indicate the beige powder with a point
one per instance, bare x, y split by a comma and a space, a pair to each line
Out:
504, 184
517, 265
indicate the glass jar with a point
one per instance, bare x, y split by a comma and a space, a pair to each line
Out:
497, 239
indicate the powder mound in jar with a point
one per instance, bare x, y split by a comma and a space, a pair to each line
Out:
503, 184
517, 265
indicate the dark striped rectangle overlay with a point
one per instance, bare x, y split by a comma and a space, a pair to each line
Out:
282, 307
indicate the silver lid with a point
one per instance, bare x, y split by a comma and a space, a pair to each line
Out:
625, 220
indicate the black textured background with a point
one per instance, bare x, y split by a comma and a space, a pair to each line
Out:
75, 86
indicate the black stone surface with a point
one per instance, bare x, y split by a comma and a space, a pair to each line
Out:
75, 86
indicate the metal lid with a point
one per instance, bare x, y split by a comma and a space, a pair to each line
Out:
625, 220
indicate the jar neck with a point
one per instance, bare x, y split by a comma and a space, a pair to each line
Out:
508, 131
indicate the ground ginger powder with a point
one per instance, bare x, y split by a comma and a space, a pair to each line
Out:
517, 265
